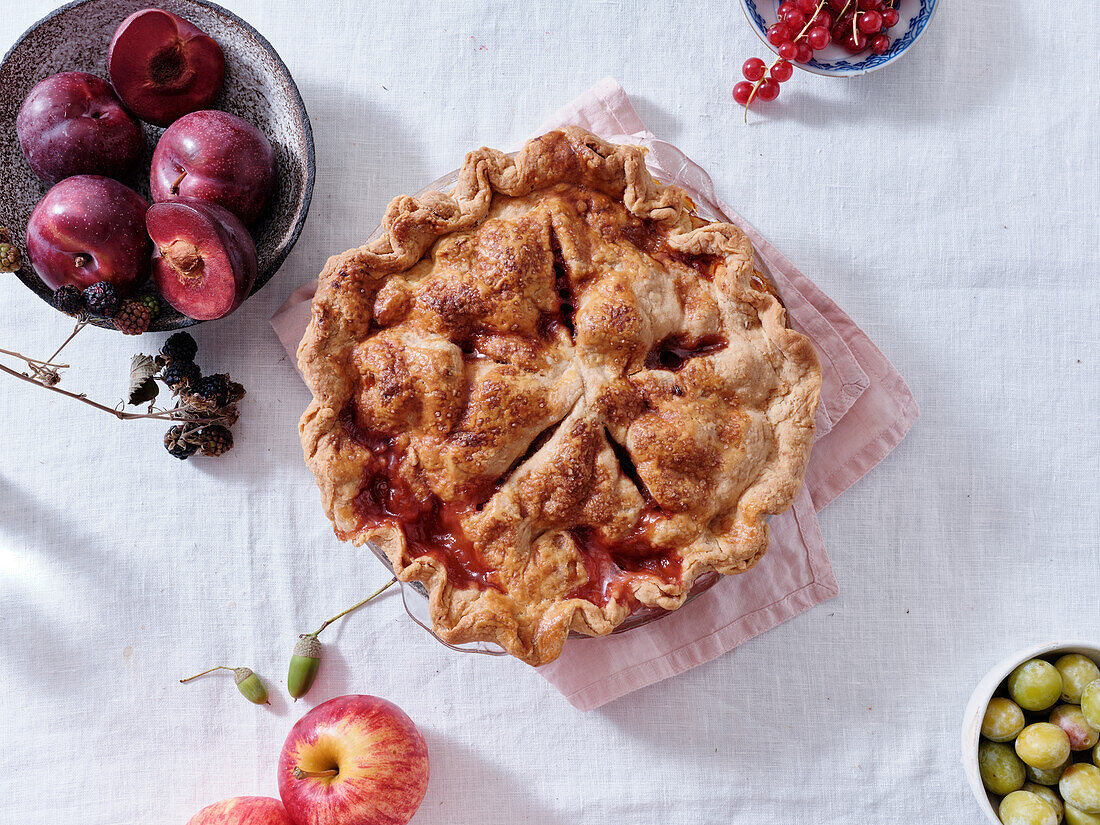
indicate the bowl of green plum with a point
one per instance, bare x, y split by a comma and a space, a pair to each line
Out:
1031, 737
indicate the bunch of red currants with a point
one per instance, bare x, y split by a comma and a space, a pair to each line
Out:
807, 26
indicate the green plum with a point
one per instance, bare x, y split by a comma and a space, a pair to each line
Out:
1003, 720
1071, 719
1075, 816
1080, 787
1035, 685
1024, 808
1001, 769
1043, 792
1043, 745
1090, 703
1050, 777
1077, 672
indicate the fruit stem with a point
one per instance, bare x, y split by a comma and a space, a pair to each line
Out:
33, 361
197, 675
159, 415
80, 325
377, 592
175, 187
300, 774
752, 95
809, 23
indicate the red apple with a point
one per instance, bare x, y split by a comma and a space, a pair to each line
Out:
353, 760
204, 263
90, 228
73, 124
217, 157
163, 67
243, 810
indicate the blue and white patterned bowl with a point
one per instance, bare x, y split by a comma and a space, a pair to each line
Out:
834, 60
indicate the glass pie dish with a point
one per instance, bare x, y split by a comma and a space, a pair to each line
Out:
416, 605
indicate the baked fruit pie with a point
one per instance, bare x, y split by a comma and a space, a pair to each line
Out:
555, 395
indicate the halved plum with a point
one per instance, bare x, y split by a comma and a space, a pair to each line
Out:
163, 66
204, 263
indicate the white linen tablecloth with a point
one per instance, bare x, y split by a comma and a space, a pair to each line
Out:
948, 203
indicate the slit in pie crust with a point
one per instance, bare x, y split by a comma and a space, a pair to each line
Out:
554, 395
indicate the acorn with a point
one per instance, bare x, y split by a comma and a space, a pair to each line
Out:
250, 686
248, 683
304, 665
306, 660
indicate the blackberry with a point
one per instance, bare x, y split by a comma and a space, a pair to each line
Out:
179, 444
152, 303
215, 440
236, 392
180, 347
213, 389
133, 318
181, 374
69, 299
102, 298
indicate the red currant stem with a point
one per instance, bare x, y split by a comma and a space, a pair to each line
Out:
809, 23
752, 95
844, 9
855, 30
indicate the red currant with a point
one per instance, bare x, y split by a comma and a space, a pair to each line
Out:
742, 92
803, 52
870, 22
818, 37
824, 19
779, 33
868, 5
787, 50
855, 43
807, 7
753, 69
836, 5
890, 18
880, 43
768, 90
784, 8
782, 71
795, 19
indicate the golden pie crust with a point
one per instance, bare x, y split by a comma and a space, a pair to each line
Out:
554, 395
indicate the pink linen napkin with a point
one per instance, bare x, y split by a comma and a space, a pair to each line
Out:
866, 409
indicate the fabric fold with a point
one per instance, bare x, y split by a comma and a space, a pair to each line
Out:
865, 410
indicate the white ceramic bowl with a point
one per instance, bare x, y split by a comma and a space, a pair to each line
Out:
979, 699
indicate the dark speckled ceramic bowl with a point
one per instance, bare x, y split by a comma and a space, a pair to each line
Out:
258, 88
